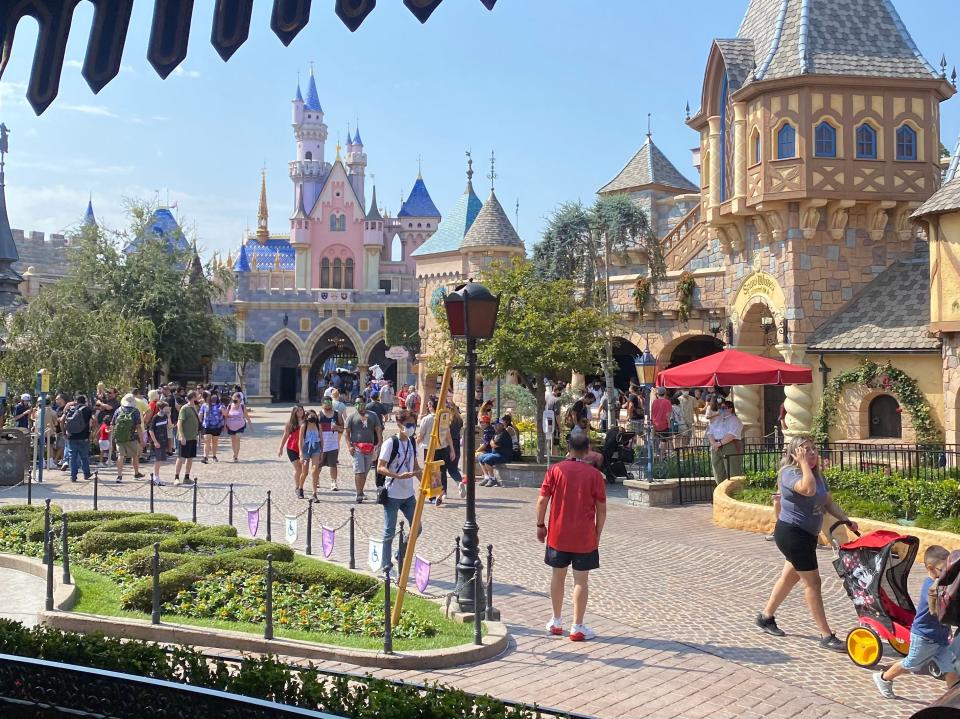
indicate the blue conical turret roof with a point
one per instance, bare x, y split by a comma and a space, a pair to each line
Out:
88, 217
356, 138
243, 262
419, 203
299, 97
455, 225
313, 98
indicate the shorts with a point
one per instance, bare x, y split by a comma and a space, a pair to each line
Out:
581, 561
797, 546
923, 651
330, 458
160, 453
213, 431
104, 445
492, 459
309, 451
129, 449
188, 449
236, 431
292, 455
363, 462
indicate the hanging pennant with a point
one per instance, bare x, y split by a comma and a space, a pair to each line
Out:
253, 521
327, 535
291, 532
375, 555
421, 572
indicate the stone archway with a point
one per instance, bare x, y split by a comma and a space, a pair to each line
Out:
284, 372
269, 349
330, 353
349, 331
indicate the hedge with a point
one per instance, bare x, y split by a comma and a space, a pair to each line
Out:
259, 677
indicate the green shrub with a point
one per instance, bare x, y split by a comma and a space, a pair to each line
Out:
360, 697
97, 542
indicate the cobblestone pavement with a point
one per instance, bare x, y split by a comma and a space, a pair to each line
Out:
673, 603
21, 596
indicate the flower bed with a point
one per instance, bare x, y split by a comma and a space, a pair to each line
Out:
931, 504
210, 576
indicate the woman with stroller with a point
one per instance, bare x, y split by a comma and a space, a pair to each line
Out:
804, 500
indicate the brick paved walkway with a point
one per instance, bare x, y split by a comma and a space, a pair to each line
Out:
673, 602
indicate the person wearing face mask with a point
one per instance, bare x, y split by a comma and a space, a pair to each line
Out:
725, 435
364, 433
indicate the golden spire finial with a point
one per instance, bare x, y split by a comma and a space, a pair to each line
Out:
263, 231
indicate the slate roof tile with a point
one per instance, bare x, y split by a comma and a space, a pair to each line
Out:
649, 167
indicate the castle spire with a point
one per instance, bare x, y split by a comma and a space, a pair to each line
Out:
88, 217
313, 97
263, 232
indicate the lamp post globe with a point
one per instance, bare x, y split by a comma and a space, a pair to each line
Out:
646, 365
471, 315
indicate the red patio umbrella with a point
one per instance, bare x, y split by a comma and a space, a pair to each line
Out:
731, 367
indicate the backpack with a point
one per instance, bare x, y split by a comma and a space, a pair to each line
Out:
381, 479
75, 423
943, 599
123, 426
212, 416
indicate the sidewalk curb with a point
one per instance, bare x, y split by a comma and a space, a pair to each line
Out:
64, 595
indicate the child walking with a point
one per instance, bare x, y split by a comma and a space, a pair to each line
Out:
159, 427
929, 639
103, 439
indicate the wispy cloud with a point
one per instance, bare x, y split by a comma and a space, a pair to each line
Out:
99, 110
12, 94
181, 72
76, 64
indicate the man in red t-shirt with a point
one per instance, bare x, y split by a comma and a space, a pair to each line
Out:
660, 419
575, 493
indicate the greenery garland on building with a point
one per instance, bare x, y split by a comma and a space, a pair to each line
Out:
685, 287
642, 289
895, 381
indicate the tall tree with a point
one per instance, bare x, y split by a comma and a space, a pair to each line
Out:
542, 331
580, 243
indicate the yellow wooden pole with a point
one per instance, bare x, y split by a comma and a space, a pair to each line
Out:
426, 490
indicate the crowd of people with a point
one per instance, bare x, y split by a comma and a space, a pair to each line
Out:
169, 422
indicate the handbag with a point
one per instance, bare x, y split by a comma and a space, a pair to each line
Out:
364, 447
383, 492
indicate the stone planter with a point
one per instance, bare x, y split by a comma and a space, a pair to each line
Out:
641, 493
521, 474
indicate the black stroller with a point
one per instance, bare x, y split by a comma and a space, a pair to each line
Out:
617, 454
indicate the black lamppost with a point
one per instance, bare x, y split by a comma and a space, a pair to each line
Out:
471, 316
646, 365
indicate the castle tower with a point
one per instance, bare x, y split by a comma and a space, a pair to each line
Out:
372, 245
10, 279
356, 163
88, 217
263, 231
308, 170
418, 219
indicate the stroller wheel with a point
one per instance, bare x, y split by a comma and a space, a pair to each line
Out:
864, 647
900, 646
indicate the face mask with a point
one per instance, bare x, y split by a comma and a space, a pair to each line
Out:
410, 427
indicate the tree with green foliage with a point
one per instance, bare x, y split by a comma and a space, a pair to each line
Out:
543, 331
580, 243
117, 316
242, 354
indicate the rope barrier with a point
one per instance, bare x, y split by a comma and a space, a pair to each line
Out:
21, 483
253, 509
201, 492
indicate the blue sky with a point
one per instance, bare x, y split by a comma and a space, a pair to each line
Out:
560, 89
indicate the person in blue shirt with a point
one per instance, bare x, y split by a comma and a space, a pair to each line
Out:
929, 639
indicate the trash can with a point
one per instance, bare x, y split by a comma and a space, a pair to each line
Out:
13, 456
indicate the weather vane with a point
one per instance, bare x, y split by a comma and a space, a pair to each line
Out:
469, 166
493, 173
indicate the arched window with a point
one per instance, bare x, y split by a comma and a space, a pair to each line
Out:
866, 143
325, 272
348, 274
885, 417
338, 273
343, 223
906, 143
786, 142
755, 144
825, 140
333, 222
309, 155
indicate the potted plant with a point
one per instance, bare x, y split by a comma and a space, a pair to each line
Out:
685, 287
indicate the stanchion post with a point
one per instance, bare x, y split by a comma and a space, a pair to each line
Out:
353, 556
47, 550
492, 614
49, 602
230, 505
269, 536
96, 489
66, 551
401, 546
151, 497
196, 484
30, 487
477, 609
268, 625
155, 572
310, 526
387, 629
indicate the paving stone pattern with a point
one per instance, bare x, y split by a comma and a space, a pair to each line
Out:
673, 602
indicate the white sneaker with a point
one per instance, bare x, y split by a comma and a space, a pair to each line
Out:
555, 627
883, 686
581, 633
